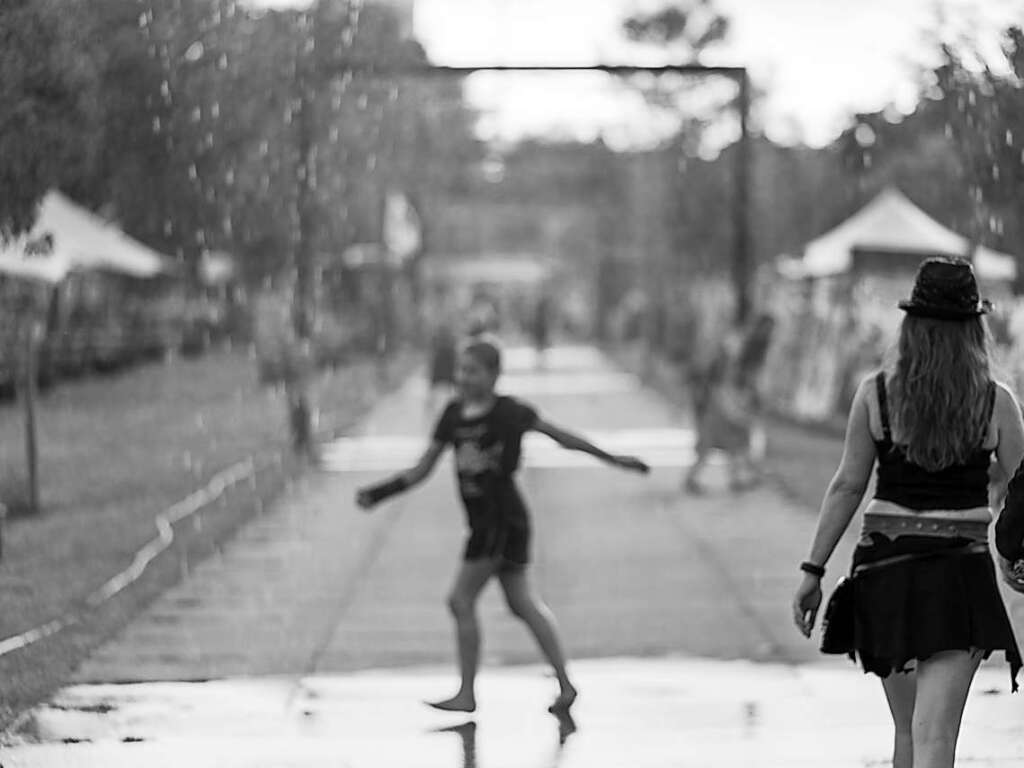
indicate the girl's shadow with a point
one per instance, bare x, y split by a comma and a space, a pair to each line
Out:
467, 732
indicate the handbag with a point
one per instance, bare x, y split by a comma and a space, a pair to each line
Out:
838, 622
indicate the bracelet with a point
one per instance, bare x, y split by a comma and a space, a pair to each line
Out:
811, 568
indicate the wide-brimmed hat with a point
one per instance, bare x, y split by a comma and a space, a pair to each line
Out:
945, 289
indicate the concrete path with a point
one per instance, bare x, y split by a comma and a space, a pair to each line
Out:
679, 606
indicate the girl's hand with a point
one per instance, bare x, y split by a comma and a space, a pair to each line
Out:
364, 499
632, 463
806, 603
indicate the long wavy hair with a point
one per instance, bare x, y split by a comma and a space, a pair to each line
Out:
939, 389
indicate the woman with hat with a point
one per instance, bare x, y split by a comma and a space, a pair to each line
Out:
922, 608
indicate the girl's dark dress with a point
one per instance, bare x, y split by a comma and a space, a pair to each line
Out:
487, 452
916, 608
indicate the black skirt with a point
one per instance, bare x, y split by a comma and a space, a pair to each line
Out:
909, 611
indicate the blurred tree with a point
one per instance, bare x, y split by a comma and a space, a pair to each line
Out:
49, 116
984, 112
686, 29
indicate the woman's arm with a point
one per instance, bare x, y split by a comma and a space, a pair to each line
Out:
403, 481
1009, 531
844, 494
574, 442
846, 490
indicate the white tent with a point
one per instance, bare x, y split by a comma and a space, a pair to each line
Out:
892, 225
67, 237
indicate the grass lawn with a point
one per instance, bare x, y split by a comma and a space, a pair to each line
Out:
115, 451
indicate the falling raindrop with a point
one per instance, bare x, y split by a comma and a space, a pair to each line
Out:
1009, 137
193, 172
197, 114
215, 110
264, 148
195, 52
168, 227
156, 124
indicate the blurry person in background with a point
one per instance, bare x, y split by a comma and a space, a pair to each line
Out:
751, 359
443, 354
540, 325
483, 315
922, 606
726, 403
486, 430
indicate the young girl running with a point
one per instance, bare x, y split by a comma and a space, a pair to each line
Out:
486, 430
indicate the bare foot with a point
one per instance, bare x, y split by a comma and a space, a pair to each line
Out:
461, 702
564, 701
566, 727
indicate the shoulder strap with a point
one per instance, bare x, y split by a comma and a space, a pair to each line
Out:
883, 405
991, 409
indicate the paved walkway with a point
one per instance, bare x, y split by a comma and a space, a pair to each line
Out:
678, 606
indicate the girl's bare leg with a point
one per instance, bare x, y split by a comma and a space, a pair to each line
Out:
942, 685
532, 611
472, 578
691, 483
901, 690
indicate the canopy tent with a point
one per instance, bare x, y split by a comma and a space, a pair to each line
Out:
67, 237
892, 229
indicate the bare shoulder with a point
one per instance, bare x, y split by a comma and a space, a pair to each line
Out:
1006, 401
868, 385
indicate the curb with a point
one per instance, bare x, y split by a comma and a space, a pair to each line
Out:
187, 507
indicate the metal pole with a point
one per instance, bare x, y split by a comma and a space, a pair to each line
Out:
303, 358
30, 393
741, 255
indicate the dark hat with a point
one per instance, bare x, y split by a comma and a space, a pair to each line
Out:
945, 289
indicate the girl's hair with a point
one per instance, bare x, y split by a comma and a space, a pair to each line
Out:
486, 352
940, 389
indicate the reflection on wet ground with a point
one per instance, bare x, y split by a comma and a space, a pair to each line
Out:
640, 713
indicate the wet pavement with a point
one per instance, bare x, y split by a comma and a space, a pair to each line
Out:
633, 712
321, 628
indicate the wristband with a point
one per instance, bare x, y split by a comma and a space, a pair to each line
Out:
812, 569
378, 493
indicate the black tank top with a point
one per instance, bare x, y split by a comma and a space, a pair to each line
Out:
958, 486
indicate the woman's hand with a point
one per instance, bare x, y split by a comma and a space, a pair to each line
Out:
806, 603
632, 463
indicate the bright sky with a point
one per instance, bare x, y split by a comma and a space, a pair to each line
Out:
817, 60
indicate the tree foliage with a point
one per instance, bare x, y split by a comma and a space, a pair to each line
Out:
49, 113
684, 28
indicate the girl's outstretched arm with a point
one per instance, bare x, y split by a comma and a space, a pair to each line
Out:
372, 495
574, 442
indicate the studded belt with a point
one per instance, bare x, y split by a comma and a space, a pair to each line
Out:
909, 525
